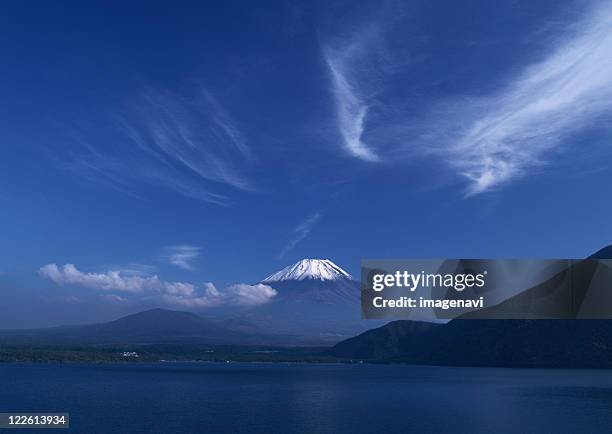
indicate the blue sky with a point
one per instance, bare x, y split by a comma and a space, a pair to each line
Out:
153, 146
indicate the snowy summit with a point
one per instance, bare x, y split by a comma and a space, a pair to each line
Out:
318, 269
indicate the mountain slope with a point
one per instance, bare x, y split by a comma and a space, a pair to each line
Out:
481, 342
314, 280
155, 325
509, 343
603, 253
383, 342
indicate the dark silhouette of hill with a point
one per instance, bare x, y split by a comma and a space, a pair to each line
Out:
603, 253
155, 325
468, 341
510, 343
384, 342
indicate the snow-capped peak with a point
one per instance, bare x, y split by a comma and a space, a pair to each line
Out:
318, 269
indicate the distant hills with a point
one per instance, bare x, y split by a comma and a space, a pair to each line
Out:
166, 326
151, 326
158, 325
485, 342
317, 303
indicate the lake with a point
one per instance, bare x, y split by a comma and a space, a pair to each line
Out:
309, 398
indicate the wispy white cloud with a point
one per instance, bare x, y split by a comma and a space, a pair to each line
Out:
489, 139
190, 145
134, 269
301, 232
176, 130
62, 299
181, 293
182, 256
512, 132
228, 126
113, 298
351, 108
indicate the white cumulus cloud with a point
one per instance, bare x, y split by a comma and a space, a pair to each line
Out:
113, 281
239, 294
182, 293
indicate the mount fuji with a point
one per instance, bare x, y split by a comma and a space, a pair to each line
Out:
315, 280
317, 302
315, 269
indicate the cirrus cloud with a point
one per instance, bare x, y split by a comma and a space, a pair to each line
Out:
342, 59
186, 143
512, 131
301, 232
182, 256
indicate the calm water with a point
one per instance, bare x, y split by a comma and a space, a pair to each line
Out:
267, 398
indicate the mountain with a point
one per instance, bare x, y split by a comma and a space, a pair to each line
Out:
384, 342
314, 280
155, 325
158, 324
317, 302
603, 253
310, 269
466, 341
508, 343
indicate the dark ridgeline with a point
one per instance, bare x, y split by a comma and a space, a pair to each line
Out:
155, 325
519, 343
487, 342
159, 325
